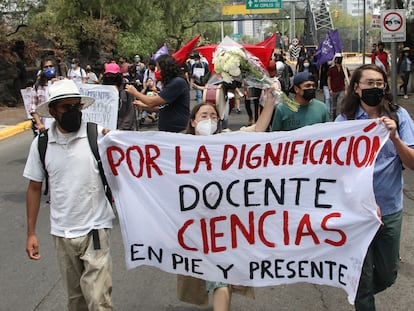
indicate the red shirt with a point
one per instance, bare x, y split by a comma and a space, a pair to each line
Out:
382, 56
337, 78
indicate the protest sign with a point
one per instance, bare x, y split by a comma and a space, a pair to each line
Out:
253, 209
105, 109
27, 95
103, 112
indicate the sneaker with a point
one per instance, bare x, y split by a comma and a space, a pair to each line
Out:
405, 96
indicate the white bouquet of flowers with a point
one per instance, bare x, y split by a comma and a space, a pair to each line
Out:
234, 63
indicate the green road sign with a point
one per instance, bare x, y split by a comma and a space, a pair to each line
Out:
263, 4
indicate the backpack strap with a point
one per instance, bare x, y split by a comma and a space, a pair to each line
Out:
42, 147
92, 130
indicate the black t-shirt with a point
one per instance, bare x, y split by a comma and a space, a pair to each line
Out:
174, 115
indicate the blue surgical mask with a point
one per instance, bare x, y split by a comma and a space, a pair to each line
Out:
50, 73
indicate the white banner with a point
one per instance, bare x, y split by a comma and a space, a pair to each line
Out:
252, 209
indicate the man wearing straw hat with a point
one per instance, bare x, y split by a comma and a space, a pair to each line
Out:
80, 214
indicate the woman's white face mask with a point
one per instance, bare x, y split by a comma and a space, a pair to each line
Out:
206, 127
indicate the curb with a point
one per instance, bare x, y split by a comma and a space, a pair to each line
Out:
15, 129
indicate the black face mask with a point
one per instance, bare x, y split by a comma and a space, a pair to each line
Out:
309, 94
71, 120
372, 97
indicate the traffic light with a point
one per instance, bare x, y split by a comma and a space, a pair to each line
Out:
336, 13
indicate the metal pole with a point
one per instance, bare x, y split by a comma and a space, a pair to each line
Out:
364, 27
292, 21
394, 65
359, 31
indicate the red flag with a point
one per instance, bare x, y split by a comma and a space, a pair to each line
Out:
269, 42
182, 54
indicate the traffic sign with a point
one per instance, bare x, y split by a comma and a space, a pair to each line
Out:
393, 26
263, 4
239, 9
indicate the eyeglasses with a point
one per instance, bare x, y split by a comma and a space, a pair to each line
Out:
372, 83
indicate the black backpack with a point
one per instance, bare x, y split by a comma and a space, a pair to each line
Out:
92, 132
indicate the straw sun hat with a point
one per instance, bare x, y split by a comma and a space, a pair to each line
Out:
59, 90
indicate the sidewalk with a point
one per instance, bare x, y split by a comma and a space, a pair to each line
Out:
13, 120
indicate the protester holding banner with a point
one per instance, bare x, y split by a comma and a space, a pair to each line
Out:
204, 121
80, 213
368, 97
173, 102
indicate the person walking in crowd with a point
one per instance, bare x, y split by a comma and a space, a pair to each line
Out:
199, 75
380, 58
404, 67
124, 65
80, 213
203, 121
284, 73
323, 84
139, 67
310, 110
368, 97
76, 73
62, 68
126, 111
91, 76
45, 77
150, 73
150, 89
308, 66
338, 78
173, 102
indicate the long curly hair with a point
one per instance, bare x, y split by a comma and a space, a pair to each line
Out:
352, 100
169, 68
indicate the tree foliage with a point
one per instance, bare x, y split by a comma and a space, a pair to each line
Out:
118, 27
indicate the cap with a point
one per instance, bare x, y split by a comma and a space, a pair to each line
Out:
406, 49
299, 79
112, 68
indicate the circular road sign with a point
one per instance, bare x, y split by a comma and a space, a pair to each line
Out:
393, 21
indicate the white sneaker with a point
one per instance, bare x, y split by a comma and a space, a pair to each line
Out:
405, 96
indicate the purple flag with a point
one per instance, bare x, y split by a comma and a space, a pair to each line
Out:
162, 51
336, 40
328, 47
